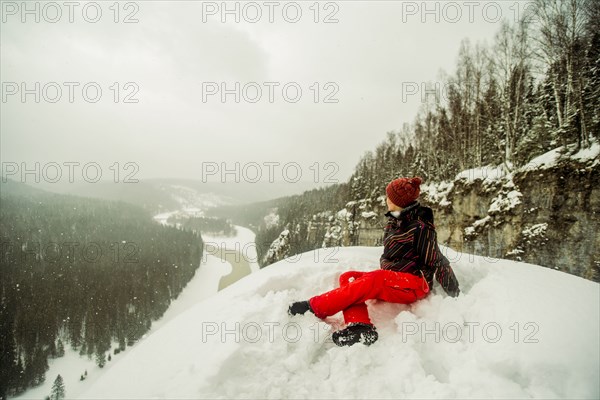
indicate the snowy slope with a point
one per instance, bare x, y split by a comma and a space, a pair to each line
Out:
240, 343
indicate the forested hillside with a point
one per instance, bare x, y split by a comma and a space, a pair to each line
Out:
90, 274
535, 88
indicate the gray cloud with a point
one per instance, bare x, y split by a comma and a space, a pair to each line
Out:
369, 54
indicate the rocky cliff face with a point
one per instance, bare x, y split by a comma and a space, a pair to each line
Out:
546, 213
546, 216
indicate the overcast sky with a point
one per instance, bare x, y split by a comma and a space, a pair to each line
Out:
171, 56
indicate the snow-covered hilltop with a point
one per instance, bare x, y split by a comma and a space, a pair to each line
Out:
517, 331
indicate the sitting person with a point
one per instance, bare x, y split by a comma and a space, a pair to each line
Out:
411, 257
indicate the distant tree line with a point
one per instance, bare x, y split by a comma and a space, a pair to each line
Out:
206, 225
293, 213
82, 272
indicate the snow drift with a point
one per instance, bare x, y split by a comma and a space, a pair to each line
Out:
516, 331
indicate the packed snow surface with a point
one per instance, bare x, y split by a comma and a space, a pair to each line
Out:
516, 331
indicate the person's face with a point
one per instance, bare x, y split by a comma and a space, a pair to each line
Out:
391, 206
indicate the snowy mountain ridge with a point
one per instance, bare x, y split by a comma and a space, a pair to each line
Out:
517, 331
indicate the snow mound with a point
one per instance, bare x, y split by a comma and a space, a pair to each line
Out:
517, 331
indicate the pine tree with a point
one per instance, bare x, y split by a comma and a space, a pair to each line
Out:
58, 389
60, 350
100, 359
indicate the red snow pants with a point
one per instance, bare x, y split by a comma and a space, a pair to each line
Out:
381, 284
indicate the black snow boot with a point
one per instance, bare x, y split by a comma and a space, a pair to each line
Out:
356, 332
299, 307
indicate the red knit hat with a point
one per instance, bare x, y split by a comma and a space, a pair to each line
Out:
403, 191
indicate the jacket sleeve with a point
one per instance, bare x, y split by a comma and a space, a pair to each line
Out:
431, 258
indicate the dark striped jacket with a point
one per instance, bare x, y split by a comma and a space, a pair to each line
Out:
410, 245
